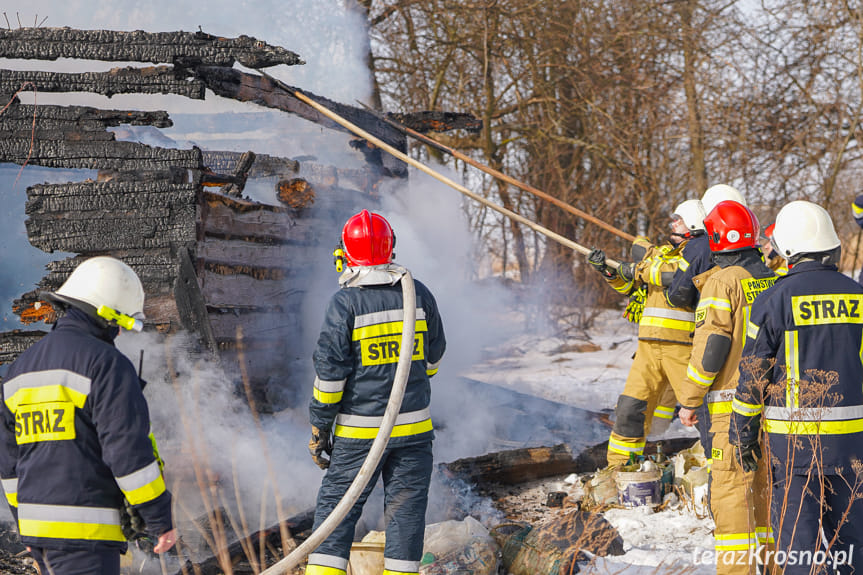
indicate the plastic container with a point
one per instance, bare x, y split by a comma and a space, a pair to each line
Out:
636, 488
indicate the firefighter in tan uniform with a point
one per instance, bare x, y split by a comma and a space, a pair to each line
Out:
664, 335
738, 500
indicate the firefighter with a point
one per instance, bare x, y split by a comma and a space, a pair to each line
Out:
355, 363
857, 212
771, 257
664, 335
75, 436
696, 256
737, 498
800, 384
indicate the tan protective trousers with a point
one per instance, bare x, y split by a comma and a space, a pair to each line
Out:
740, 505
647, 395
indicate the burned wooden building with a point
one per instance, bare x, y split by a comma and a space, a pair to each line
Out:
230, 269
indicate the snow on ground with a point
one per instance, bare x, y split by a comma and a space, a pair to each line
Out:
671, 541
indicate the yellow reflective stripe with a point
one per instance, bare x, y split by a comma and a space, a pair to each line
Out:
324, 570
714, 302
146, 492
431, 372
625, 447
747, 409
752, 330
624, 288
667, 323
792, 370
45, 394
370, 432
388, 328
68, 530
326, 397
391, 572
697, 377
663, 412
858, 211
719, 407
683, 265
783, 427
734, 541
655, 273
764, 534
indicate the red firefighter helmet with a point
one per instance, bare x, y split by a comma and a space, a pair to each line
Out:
368, 240
731, 226
768, 233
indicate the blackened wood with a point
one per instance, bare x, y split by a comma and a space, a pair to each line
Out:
14, 343
284, 256
230, 218
264, 166
95, 155
84, 118
515, 466
243, 87
219, 289
88, 217
186, 48
150, 80
431, 121
190, 302
299, 527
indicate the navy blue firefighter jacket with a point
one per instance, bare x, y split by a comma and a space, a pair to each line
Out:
357, 353
75, 441
696, 259
802, 367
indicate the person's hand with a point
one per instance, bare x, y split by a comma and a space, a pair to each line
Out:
749, 456
688, 417
166, 541
319, 444
596, 258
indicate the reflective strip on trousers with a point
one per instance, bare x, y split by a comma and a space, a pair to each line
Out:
143, 485
326, 564
625, 447
366, 427
735, 541
69, 522
400, 566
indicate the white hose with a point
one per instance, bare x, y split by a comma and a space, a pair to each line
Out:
378, 445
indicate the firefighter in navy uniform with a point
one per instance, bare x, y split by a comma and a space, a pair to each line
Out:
738, 500
76, 430
664, 335
696, 257
800, 385
355, 370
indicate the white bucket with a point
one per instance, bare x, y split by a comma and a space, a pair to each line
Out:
636, 488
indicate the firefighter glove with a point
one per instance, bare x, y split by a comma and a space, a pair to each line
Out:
749, 456
321, 443
626, 271
635, 308
596, 258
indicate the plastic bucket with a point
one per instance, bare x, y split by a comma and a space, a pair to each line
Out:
635, 488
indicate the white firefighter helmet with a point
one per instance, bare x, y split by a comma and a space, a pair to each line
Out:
804, 228
692, 214
104, 281
720, 193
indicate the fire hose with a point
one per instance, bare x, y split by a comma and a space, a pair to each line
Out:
378, 445
440, 177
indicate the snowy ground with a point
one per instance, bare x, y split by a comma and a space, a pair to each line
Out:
672, 541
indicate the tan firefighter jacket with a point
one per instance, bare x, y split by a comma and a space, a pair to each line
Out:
721, 318
660, 321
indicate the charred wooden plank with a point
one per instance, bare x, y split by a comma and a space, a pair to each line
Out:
264, 166
14, 343
230, 218
84, 117
187, 48
191, 306
220, 289
243, 87
95, 155
515, 466
150, 80
295, 193
433, 121
240, 175
88, 217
